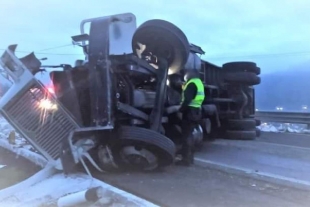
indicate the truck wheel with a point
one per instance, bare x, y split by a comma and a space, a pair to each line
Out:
241, 67
258, 122
164, 39
241, 124
241, 135
137, 148
246, 78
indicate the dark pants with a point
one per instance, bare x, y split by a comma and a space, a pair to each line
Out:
191, 117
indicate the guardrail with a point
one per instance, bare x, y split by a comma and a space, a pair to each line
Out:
283, 117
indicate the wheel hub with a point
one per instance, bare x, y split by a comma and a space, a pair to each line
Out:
105, 157
139, 157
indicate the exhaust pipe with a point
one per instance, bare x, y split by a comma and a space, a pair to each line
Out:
100, 80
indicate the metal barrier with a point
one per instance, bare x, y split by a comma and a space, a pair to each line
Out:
283, 117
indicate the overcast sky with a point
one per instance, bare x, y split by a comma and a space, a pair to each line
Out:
227, 30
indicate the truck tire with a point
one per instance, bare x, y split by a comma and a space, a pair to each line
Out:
241, 67
241, 135
258, 122
162, 147
245, 78
163, 39
241, 124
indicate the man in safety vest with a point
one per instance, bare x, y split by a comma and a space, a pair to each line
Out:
193, 95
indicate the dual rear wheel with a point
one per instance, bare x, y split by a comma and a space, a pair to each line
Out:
245, 73
242, 129
141, 149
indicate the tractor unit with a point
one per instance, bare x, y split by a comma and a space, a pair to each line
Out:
117, 110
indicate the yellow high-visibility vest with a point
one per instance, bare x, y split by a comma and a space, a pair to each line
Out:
200, 96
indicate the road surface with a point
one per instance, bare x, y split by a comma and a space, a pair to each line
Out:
201, 185
16, 168
291, 139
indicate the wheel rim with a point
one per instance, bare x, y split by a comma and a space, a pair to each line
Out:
138, 157
197, 134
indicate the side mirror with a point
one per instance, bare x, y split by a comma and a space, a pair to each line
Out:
77, 39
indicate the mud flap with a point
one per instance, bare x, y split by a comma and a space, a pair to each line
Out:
75, 149
66, 156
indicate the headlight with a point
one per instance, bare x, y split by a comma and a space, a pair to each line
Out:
51, 90
47, 105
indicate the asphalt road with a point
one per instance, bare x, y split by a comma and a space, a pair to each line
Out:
199, 186
202, 186
291, 139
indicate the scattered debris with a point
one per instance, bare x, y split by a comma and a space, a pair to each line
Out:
86, 196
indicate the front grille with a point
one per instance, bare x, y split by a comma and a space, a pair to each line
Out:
45, 129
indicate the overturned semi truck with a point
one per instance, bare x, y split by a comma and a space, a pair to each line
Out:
117, 110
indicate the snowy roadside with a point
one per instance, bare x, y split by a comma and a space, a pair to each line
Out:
284, 127
18, 145
48, 191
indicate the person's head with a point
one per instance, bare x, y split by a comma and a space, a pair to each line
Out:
189, 74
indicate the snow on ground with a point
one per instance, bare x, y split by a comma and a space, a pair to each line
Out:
40, 194
46, 192
6, 129
284, 127
19, 145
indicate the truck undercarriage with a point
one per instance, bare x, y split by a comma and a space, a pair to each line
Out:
115, 108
